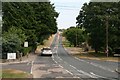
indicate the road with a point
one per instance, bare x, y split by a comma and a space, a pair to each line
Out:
83, 68
63, 65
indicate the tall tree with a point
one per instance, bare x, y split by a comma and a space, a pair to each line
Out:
37, 20
93, 18
74, 35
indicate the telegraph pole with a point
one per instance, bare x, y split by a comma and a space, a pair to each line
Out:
107, 25
107, 51
76, 36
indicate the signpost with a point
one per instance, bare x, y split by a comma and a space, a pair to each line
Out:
11, 56
26, 44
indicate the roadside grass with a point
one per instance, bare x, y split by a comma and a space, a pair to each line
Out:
66, 43
0, 73
97, 56
47, 43
79, 52
10, 73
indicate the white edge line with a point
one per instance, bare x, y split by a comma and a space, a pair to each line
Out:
69, 72
75, 67
28, 63
31, 67
61, 66
96, 65
96, 75
80, 71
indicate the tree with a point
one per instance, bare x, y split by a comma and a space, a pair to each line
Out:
12, 40
92, 17
36, 20
74, 35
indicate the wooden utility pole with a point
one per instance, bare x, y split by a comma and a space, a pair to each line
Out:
107, 51
76, 36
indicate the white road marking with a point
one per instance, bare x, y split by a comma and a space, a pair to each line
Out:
85, 73
61, 66
73, 67
54, 60
80, 71
31, 67
80, 59
56, 51
54, 47
59, 58
69, 72
28, 63
96, 65
52, 57
96, 75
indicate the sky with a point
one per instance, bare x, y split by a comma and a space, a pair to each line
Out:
68, 11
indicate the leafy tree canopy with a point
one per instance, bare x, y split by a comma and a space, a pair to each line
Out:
94, 16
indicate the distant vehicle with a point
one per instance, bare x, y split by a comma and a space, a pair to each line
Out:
46, 51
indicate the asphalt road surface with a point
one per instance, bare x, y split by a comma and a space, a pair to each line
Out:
83, 68
63, 65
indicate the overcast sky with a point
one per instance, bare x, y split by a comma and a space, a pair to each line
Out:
68, 10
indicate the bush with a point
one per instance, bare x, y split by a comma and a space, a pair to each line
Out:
26, 50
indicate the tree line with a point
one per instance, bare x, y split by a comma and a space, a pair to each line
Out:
93, 18
27, 21
74, 35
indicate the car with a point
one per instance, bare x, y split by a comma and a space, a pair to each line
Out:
46, 51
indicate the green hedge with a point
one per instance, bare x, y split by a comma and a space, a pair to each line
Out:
26, 50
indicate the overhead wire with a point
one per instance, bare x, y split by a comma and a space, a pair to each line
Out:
67, 7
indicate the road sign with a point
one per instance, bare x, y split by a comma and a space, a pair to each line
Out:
11, 55
25, 44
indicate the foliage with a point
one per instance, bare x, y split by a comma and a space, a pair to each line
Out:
12, 40
34, 20
74, 35
93, 17
26, 50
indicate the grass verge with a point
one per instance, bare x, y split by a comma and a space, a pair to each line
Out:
10, 73
79, 52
